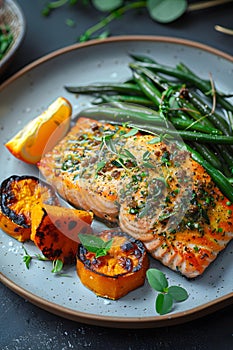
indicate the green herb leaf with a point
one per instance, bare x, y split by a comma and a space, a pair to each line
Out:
146, 155
166, 11
104, 34
148, 165
100, 165
101, 252
131, 132
108, 142
178, 293
27, 260
41, 257
107, 6
157, 280
91, 242
127, 154
57, 266
95, 244
70, 22
164, 303
154, 140
167, 295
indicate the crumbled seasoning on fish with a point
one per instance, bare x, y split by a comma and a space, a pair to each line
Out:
153, 189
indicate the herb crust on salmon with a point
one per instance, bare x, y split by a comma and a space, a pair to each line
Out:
151, 187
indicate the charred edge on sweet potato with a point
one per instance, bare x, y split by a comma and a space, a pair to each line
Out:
14, 191
114, 275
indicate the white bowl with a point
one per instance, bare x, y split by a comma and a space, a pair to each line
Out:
12, 15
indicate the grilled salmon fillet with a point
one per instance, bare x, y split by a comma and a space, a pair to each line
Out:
153, 189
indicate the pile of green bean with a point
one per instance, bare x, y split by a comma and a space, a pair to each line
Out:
6, 38
157, 97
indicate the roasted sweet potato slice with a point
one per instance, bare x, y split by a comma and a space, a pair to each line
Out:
55, 231
114, 275
18, 194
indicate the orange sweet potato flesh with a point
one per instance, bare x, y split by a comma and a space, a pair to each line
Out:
114, 275
55, 231
18, 194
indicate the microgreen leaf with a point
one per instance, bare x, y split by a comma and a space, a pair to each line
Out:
148, 165
178, 293
154, 140
146, 155
57, 266
41, 257
108, 142
70, 22
106, 6
166, 11
167, 295
131, 132
104, 34
100, 165
164, 303
157, 280
95, 244
127, 154
27, 260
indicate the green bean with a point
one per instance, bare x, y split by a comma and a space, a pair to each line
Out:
6, 39
153, 122
148, 89
192, 111
214, 118
142, 58
160, 82
201, 84
220, 180
208, 155
118, 115
181, 66
194, 125
229, 115
226, 154
187, 135
133, 108
140, 100
189, 108
128, 88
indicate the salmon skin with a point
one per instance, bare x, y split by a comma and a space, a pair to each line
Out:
153, 189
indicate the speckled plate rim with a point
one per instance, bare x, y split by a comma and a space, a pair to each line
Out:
120, 322
163, 39
111, 321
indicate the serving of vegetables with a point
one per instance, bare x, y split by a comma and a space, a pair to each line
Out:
171, 102
168, 102
6, 39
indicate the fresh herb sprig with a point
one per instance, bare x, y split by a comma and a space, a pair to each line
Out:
162, 11
95, 244
167, 295
27, 259
57, 264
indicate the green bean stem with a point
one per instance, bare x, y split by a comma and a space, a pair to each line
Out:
201, 84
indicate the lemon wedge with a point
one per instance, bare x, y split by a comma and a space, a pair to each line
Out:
42, 133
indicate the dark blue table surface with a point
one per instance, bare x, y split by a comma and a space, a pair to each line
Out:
23, 325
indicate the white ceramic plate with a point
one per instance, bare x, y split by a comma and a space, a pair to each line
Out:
29, 92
